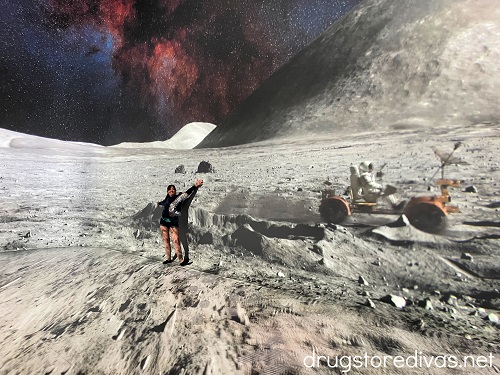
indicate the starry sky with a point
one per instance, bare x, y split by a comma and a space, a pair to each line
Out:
110, 71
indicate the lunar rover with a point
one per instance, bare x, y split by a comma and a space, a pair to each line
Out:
427, 213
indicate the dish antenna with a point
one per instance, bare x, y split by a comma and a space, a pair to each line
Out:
446, 158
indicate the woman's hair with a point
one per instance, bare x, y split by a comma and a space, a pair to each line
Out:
170, 186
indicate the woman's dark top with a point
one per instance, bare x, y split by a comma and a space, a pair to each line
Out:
166, 219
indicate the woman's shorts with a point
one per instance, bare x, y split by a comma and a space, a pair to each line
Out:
169, 222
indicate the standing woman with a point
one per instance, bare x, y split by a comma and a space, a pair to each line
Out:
169, 222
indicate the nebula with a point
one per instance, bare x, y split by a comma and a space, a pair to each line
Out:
148, 67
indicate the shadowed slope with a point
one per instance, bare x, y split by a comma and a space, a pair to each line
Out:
386, 65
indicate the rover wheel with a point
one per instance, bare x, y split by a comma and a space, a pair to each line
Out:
427, 217
334, 211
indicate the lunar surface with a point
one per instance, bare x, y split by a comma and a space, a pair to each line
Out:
84, 289
273, 288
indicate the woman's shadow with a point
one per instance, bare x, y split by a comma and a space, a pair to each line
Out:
183, 226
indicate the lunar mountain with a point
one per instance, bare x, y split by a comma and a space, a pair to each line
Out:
385, 66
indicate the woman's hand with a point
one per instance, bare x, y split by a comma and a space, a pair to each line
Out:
198, 182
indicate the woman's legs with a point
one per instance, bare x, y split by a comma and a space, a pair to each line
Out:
174, 233
166, 241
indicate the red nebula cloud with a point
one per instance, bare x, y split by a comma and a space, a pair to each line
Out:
113, 14
173, 74
193, 62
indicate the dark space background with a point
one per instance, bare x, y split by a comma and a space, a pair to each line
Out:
110, 71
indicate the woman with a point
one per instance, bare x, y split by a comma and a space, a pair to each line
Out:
169, 222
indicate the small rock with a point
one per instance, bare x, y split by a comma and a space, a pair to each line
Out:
493, 318
471, 189
137, 234
370, 303
466, 256
426, 304
450, 299
482, 312
377, 263
180, 169
362, 281
281, 274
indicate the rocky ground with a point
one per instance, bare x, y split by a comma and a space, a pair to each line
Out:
83, 288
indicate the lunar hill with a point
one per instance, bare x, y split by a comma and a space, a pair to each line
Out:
186, 138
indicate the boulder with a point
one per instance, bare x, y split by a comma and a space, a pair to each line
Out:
394, 300
205, 167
